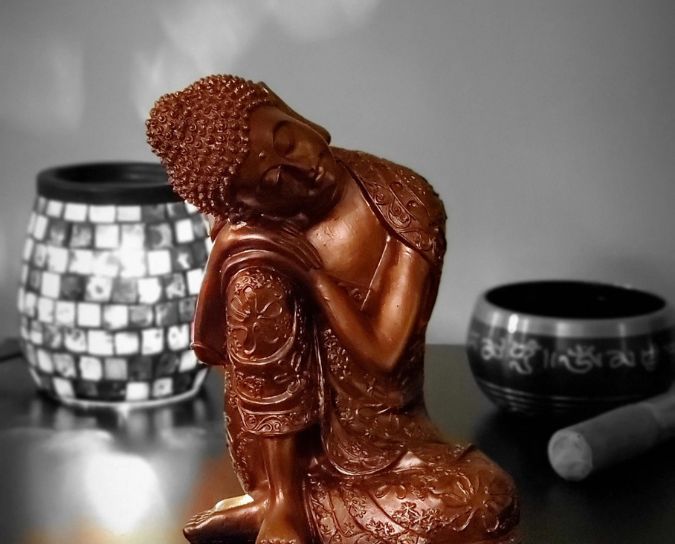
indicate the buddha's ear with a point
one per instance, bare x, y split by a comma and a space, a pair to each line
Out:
290, 111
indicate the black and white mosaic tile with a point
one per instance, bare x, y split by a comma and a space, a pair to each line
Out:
106, 299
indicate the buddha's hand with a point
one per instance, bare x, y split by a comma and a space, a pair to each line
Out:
269, 243
281, 238
293, 239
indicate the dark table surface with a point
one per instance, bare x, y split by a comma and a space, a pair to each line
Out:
104, 477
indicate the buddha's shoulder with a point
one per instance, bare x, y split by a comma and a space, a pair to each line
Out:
406, 200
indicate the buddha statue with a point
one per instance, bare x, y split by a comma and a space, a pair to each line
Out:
315, 301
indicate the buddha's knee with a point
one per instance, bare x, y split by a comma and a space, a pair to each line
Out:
485, 500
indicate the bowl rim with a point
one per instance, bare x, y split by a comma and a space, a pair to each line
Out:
493, 315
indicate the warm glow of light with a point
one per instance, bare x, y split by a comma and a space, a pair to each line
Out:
122, 489
233, 502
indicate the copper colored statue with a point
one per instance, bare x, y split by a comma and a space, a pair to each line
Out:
316, 298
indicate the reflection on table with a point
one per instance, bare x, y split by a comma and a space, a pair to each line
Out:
107, 477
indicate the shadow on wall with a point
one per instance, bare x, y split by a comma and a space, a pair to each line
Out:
46, 93
213, 38
44, 89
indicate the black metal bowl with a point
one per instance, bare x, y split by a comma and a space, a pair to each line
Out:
570, 349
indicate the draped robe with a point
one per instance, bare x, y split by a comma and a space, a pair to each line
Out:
384, 472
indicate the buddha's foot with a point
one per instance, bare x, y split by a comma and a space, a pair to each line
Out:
231, 521
280, 526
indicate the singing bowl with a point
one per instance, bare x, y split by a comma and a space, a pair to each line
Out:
570, 349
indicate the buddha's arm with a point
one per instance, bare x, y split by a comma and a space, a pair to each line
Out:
378, 338
262, 316
269, 354
282, 247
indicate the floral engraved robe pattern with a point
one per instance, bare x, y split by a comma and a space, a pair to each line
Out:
454, 495
404, 200
267, 336
389, 476
370, 419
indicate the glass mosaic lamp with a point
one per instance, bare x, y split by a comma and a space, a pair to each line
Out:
112, 265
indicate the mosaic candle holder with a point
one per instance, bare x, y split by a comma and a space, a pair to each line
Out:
112, 265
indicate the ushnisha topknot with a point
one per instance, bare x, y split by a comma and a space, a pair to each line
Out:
201, 137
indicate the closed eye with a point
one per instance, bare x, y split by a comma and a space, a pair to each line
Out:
284, 139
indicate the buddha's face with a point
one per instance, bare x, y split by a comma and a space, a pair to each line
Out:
289, 171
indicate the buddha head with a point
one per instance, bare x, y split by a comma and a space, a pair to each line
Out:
235, 150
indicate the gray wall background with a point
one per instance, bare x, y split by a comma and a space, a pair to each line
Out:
548, 126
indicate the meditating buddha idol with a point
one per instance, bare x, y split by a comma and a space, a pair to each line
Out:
315, 301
